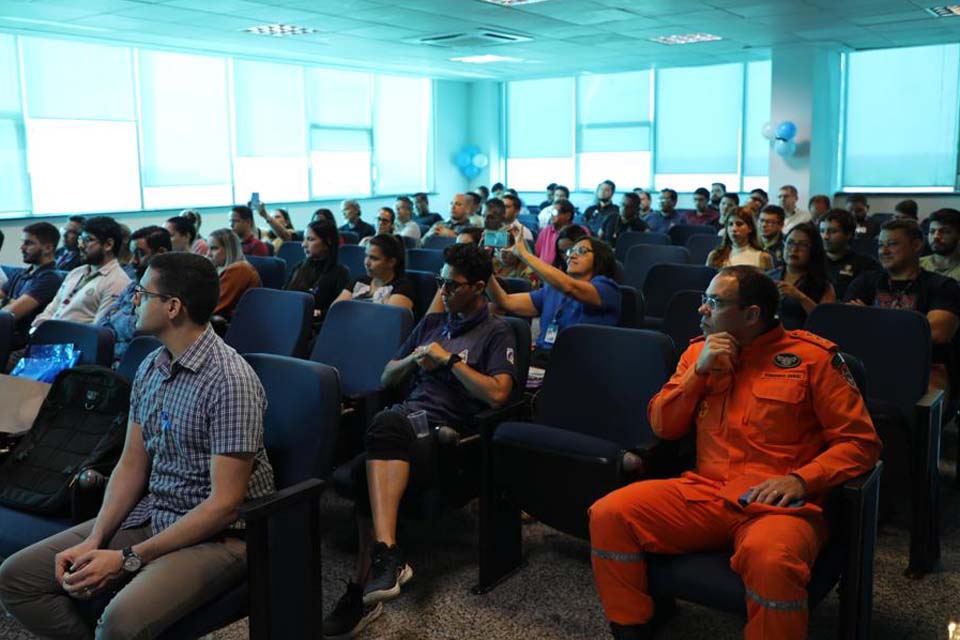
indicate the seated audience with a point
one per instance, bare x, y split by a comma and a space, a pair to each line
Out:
668, 216
758, 200
475, 208
124, 257
494, 214
281, 228
121, 316
551, 189
818, 205
858, 206
703, 214
560, 193
943, 237
717, 191
484, 193
793, 215
597, 213
567, 237
627, 219
69, 256
560, 218
459, 361
200, 246
739, 244
183, 234
320, 274
425, 219
384, 281
241, 222
497, 190
460, 208
27, 293
406, 226
729, 204
585, 293
512, 207
902, 284
802, 280
506, 264
906, 209
385, 224
837, 229
770, 222
645, 203
167, 538
88, 290
793, 437
470, 235
236, 274
350, 209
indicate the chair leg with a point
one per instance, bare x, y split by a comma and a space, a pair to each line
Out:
925, 529
500, 543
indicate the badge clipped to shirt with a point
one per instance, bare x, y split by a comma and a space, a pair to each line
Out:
551, 335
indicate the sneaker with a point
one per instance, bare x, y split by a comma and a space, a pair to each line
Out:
388, 572
350, 616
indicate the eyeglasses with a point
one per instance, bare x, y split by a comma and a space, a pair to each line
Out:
140, 292
452, 285
384, 220
797, 244
578, 251
713, 302
85, 239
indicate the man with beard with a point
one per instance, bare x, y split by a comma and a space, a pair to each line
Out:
69, 256
717, 191
596, 214
28, 292
121, 317
89, 290
627, 220
837, 229
943, 237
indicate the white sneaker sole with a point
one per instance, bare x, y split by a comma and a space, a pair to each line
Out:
363, 624
389, 594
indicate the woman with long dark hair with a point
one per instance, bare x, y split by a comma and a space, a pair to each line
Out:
740, 244
567, 237
320, 274
802, 281
384, 281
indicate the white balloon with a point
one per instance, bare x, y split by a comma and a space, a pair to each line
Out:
480, 160
769, 130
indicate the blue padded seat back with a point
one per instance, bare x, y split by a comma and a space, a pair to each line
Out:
642, 258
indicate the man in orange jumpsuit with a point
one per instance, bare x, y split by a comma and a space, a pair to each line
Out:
779, 420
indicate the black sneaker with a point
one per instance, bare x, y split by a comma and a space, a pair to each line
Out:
388, 572
350, 616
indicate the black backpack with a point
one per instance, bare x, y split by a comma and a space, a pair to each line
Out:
81, 424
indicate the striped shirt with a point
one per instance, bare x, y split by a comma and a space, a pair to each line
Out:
208, 402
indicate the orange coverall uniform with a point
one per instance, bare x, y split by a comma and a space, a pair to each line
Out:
790, 406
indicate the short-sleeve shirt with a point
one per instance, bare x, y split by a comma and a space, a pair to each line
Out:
360, 289
928, 292
843, 271
362, 229
792, 314
41, 284
556, 307
614, 225
253, 246
709, 219
951, 271
660, 223
483, 341
595, 215
208, 402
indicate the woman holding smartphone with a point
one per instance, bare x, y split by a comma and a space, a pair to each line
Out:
586, 293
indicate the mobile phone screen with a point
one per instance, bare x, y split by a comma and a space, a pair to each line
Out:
497, 239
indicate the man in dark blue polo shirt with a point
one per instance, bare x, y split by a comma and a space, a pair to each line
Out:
28, 293
597, 213
461, 361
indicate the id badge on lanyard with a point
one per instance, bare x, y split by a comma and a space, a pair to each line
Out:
554, 327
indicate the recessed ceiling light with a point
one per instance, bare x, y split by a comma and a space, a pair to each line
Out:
945, 11
280, 30
511, 3
485, 59
686, 38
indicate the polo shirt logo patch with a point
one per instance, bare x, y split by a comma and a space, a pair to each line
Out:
786, 360
510, 355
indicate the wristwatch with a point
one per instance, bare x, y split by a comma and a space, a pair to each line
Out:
452, 360
131, 561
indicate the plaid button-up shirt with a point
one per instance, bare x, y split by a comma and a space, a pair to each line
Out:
208, 402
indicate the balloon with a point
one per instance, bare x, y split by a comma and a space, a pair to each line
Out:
463, 159
769, 131
785, 148
471, 171
786, 130
472, 149
480, 160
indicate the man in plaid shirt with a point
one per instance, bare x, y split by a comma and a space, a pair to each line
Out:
167, 538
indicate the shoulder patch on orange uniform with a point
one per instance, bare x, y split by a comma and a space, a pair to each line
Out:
812, 338
699, 338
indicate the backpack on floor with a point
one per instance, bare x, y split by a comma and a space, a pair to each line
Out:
81, 424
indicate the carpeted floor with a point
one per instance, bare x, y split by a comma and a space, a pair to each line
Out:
554, 596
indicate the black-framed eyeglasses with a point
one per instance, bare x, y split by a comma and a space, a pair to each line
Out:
140, 292
713, 302
452, 285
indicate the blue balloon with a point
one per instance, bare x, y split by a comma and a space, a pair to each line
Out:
463, 159
471, 171
786, 130
472, 149
785, 148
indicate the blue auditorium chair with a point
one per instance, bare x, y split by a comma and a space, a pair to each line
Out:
590, 412
425, 286
880, 218
895, 348
531, 222
665, 279
292, 254
438, 243
94, 342
353, 257
138, 349
680, 233
409, 242
641, 258
349, 237
425, 260
681, 320
516, 285
865, 246
631, 308
272, 271
700, 246
6, 337
630, 239
271, 321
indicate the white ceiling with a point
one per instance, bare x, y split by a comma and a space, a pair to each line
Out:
568, 36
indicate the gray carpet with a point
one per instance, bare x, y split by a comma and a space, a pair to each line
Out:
554, 596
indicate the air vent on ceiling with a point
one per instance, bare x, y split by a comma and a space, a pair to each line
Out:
474, 38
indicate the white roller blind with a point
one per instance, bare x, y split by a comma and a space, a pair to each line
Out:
756, 157
540, 118
341, 98
9, 77
613, 112
269, 107
401, 134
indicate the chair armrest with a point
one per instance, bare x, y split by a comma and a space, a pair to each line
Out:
925, 478
862, 489
489, 419
254, 510
858, 506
